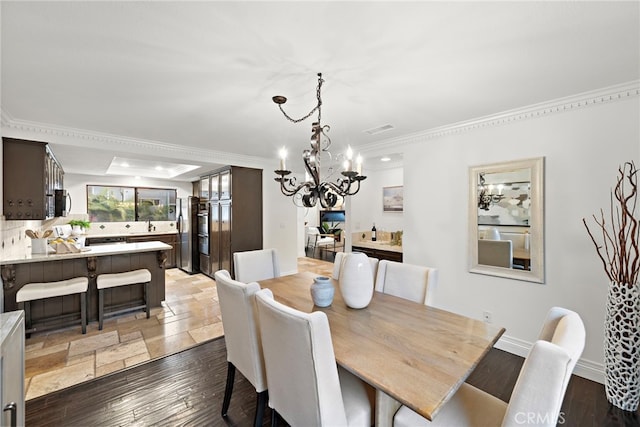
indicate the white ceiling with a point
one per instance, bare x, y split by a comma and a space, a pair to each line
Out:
191, 82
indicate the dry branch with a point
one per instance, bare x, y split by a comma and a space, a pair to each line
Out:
618, 249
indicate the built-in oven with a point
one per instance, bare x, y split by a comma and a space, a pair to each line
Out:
203, 241
203, 222
203, 244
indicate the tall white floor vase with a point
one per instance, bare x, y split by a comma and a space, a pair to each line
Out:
356, 280
622, 346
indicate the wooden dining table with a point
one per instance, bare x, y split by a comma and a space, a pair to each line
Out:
412, 354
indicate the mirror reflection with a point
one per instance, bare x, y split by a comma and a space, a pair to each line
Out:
506, 218
504, 202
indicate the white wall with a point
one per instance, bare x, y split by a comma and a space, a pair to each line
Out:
583, 148
366, 206
281, 225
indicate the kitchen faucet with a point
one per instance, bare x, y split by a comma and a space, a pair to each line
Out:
150, 227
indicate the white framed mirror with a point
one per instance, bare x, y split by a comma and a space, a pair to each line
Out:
506, 219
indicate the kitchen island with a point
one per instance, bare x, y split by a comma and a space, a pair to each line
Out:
90, 262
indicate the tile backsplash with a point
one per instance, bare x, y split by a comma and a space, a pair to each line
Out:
14, 242
128, 227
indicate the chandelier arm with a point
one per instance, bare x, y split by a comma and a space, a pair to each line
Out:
288, 186
339, 187
356, 190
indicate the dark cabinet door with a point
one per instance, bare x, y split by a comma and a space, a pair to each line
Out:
30, 176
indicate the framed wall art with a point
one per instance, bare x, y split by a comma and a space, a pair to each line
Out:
392, 199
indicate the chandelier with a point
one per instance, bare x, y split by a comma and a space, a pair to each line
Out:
486, 197
313, 189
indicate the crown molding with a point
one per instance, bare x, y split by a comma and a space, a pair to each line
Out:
606, 95
13, 127
16, 128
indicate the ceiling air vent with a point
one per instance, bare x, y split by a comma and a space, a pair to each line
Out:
379, 129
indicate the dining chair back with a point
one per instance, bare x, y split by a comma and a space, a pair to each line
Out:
242, 338
498, 253
539, 390
305, 385
337, 265
408, 281
251, 266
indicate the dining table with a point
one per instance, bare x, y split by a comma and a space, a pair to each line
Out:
412, 354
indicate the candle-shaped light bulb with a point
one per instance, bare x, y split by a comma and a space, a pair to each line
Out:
500, 187
283, 158
491, 189
348, 164
359, 164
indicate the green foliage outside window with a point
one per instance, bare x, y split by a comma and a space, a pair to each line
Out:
118, 204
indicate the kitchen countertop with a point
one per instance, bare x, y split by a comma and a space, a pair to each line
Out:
381, 246
101, 250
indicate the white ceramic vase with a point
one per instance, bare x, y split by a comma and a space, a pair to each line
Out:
622, 346
356, 280
322, 291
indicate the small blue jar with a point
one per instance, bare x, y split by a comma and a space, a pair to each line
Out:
322, 291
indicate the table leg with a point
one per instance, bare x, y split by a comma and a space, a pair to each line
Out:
386, 408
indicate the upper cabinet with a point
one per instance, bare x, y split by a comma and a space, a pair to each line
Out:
31, 174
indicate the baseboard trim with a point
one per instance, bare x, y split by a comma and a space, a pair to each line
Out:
584, 368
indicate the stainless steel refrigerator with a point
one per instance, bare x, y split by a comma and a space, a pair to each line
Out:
188, 257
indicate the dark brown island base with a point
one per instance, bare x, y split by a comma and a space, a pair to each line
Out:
95, 260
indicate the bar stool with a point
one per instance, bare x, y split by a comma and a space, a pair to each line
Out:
36, 291
112, 280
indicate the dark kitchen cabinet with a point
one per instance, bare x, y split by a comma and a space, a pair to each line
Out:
378, 253
31, 173
236, 215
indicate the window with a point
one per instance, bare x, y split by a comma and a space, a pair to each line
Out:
116, 204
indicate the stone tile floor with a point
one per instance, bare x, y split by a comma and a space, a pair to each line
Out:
190, 315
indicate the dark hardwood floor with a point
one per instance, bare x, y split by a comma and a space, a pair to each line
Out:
187, 389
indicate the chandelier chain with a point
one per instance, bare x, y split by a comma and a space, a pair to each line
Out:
316, 108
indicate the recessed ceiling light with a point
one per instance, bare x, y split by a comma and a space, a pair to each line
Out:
137, 177
385, 159
158, 168
125, 165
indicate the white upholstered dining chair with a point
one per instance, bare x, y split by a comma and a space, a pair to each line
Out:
498, 253
408, 281
539, 391
242, 338
251, 266
337, 265
306, 387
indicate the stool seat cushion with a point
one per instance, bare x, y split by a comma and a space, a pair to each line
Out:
33, 291
120, 279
